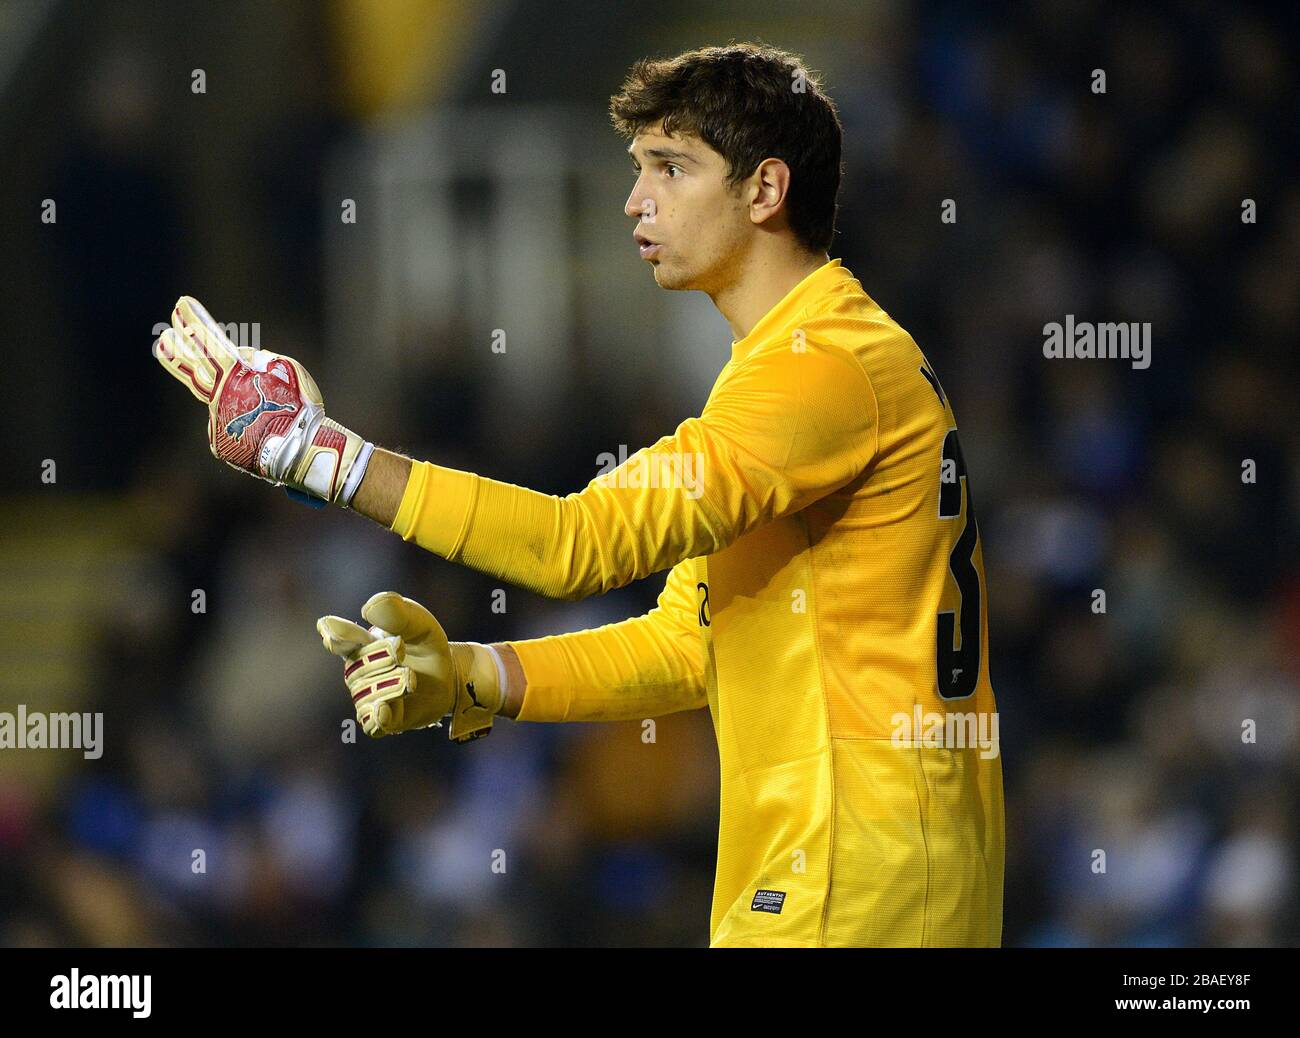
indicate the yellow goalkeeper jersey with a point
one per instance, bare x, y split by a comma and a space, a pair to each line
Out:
825, 599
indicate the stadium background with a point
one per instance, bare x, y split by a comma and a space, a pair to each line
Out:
479, 210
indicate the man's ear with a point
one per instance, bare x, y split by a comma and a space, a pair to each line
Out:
771, 181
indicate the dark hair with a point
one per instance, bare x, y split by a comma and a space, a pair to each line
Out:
749, 102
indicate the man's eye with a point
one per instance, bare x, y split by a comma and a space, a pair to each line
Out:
672, 168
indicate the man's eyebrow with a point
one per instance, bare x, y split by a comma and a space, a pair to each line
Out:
667, 154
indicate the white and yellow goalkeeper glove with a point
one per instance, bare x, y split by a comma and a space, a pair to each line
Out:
403, 674
265, 414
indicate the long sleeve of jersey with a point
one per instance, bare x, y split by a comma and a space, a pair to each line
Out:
785, 425
642, 667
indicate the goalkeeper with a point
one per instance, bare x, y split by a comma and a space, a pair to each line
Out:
825, 578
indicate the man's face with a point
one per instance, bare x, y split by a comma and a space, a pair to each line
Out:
697, 229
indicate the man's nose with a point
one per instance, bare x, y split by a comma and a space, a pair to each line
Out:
637, 203
643, 207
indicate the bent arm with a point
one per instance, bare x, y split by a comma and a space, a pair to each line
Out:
646, 666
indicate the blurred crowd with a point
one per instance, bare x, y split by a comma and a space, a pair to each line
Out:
231, 806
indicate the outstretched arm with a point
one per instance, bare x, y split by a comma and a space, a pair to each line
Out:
782, 428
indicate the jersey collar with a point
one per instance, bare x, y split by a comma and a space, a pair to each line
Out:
820, 281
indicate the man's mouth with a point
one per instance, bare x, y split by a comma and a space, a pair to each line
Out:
648, 249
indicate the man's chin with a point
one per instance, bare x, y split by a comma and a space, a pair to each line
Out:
670, 279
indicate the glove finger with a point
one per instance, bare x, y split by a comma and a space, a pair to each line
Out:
388, 717
187, 364
259, 359
385, 718
402, 616
190, 314
373, 659
381, 687
199, 311
342, 637
368, 723
190, 319
382, 690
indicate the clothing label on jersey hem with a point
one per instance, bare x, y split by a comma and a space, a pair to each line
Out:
768, 901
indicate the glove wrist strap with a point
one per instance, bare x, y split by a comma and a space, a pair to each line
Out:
331, 462
479, 693
355, 474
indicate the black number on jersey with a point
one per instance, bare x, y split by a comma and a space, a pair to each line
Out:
934, 382
704, 604
959, 669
